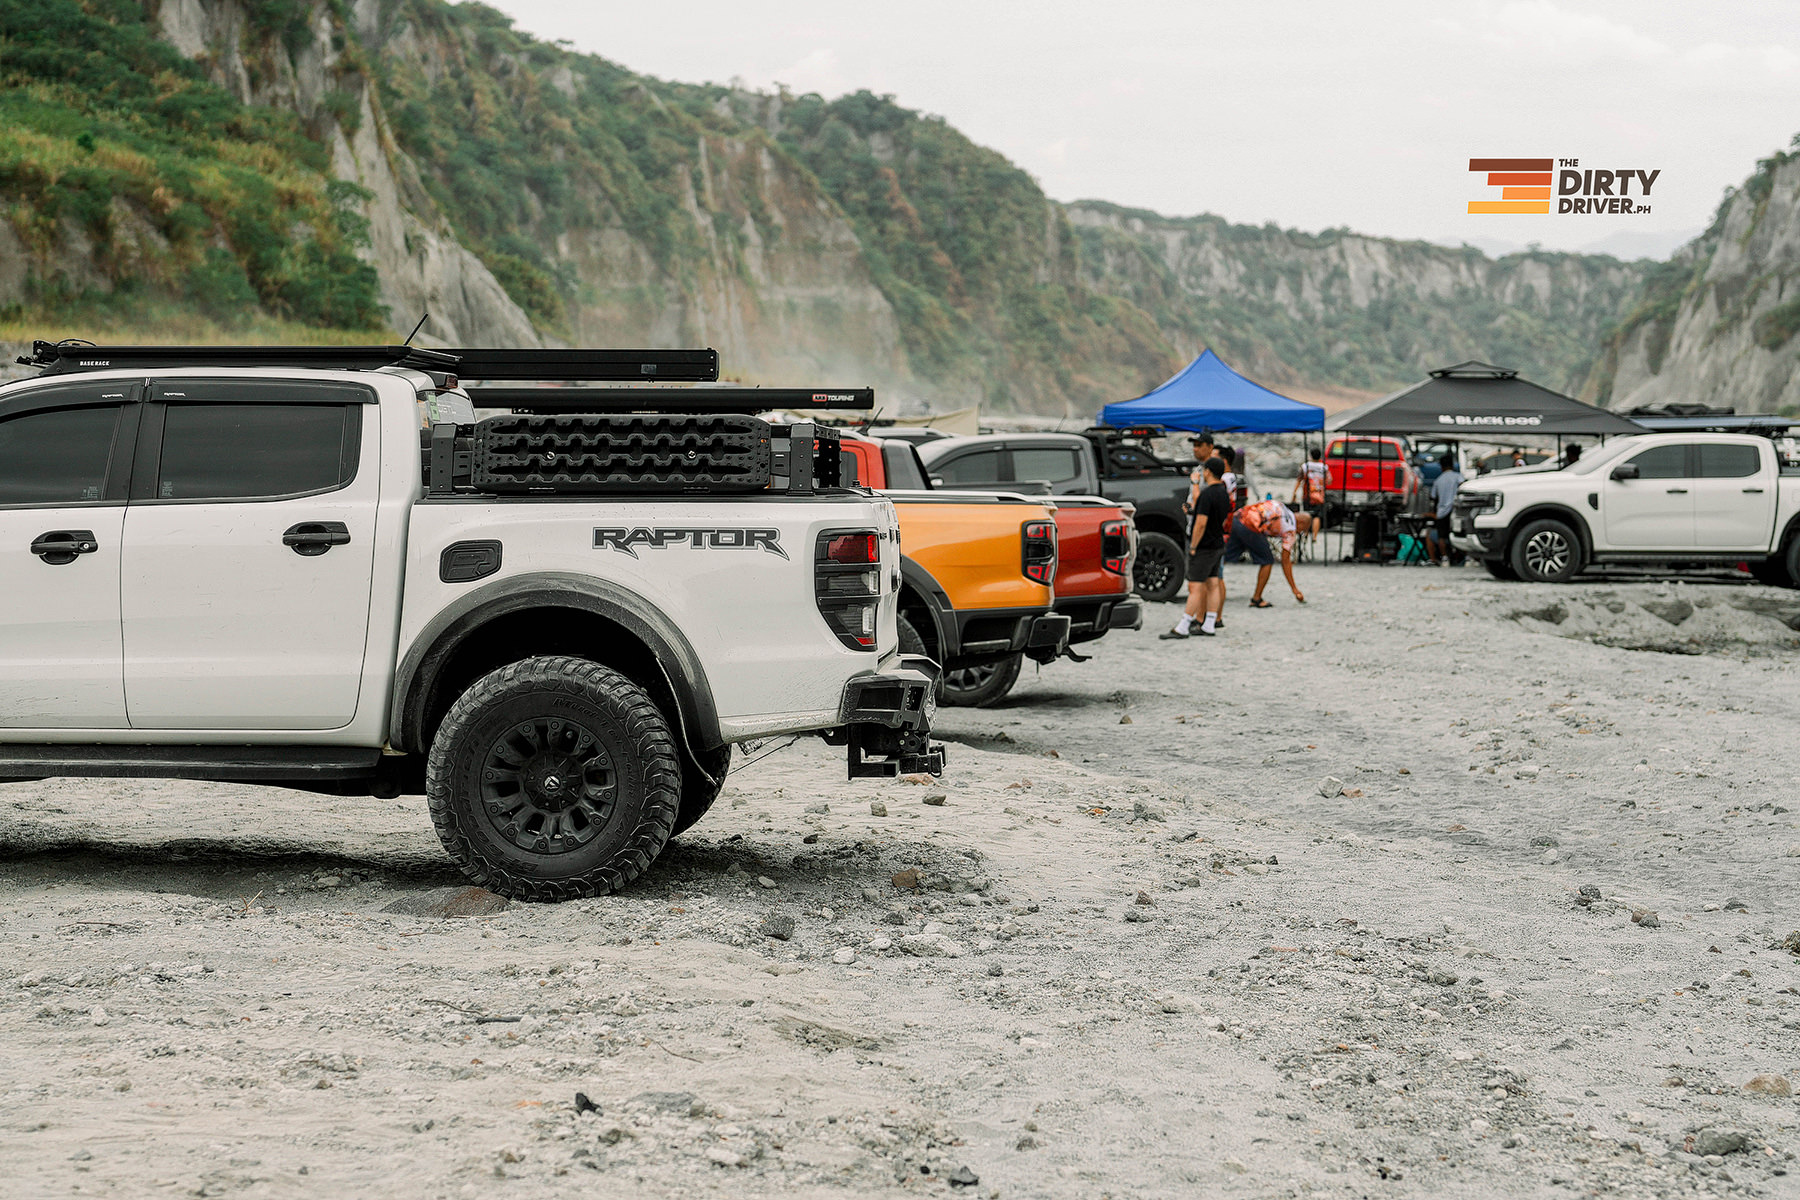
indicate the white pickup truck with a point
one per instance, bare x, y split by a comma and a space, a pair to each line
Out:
1677, 499
294, 567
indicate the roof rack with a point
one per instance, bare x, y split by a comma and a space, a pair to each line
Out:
61, 358
554, 365
667, 399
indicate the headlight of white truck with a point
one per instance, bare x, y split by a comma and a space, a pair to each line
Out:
1478, 504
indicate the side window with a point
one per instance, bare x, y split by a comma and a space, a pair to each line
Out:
57, 456
257, 451
1728, 462
1055, 464
903, 470
982, 466
1662, 462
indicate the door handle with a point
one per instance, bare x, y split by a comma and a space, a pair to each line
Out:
61, 546
1752, 491
313, 538
1677, 491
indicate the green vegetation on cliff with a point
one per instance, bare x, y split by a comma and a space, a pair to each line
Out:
109, 136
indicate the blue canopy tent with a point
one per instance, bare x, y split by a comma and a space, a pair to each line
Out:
1207, 394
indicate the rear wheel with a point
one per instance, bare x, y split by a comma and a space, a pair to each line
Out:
1546, 551
983, 686
1499, 568
553, 778
1159, 568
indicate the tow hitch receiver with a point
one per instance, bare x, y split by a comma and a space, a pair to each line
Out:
887, 722
897, 752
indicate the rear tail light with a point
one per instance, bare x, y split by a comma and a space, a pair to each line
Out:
847, 585
1039, 538
1115, 546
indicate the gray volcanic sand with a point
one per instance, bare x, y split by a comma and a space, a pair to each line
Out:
1390, 990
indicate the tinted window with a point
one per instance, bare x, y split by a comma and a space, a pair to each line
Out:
56, 457
1057, 464
983, 466
239, 451
1728, 462
904, 470
1363, 450
1662, 462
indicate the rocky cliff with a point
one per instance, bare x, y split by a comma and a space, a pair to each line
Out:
1360, 312
1718, 324
355, 163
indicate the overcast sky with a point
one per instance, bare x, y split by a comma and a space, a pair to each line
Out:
1308, 114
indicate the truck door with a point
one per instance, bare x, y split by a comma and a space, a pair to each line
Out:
1734, 496
249, 547
65, 462
1654, 511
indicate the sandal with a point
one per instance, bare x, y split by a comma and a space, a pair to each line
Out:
1299, 599
1258, 602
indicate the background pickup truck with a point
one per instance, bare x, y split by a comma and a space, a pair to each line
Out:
242, 565
1115, 463
1667, 498
1368, 474
1092, 587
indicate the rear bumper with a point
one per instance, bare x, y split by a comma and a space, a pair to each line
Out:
990, 635
1093, 617
903, 698
887, 722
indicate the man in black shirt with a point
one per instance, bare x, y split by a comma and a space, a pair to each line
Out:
1206, 555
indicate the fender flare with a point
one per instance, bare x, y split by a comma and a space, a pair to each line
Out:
937, 600
438, 642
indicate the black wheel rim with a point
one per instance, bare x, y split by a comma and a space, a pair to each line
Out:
548, 785
1547, 553
970, 679
1153, 571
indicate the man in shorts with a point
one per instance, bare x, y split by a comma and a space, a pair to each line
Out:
1206, 556
1259, 522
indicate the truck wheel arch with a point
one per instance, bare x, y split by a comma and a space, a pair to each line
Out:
920, 592
1561, 512
1158, 524
565, 613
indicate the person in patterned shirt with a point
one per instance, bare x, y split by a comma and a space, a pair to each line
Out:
1266, 519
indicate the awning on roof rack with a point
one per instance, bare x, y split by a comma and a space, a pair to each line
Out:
547, 366
670, 399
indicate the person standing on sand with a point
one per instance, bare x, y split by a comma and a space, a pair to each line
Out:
1262, 520
1443, 491
1206, 556
1309, 493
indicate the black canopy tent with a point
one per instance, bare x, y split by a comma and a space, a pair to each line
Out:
1473, 398
1481, 401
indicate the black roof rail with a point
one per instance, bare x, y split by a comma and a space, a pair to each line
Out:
553, 365
61, 358
588, 365
548, 400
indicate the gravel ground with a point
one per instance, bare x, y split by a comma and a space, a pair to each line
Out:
1435, 887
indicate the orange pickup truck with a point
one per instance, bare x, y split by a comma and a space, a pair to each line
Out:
953, 545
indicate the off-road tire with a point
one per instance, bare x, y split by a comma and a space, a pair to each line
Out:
565, 707
1500, 569
983, 686
1546, 551
697, 794
1160, 569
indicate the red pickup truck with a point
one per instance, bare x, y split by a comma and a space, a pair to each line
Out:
1096, 545
1368, 473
